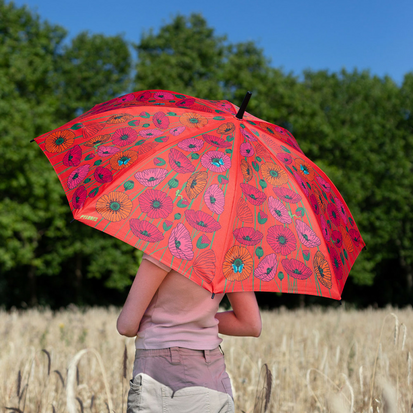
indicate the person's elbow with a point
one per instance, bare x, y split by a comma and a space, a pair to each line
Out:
125, 330
256, 329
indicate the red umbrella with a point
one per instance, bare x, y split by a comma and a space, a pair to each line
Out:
226, 199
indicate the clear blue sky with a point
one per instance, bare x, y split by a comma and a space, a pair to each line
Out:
295, 34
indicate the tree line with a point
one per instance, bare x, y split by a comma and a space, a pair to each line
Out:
355, 126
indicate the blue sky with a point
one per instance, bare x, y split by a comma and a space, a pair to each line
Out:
295, 34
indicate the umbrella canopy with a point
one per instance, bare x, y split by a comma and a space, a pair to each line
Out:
233, 204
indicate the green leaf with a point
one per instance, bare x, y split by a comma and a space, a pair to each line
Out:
200, 244
145, 115
256, 166
96, 163
166, 227
76, 126
218, 118
132, 122
89, 157
222, 179
285, 149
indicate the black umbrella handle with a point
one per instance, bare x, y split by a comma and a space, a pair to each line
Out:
243, 106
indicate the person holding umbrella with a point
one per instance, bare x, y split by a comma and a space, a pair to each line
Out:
179, 364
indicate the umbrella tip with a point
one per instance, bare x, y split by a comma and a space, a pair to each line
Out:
244, 105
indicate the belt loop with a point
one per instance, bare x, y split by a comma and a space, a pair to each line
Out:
207, 356
175, 355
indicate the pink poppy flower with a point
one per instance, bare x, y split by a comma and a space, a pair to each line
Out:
225, 106
126, 98
105, 151
216, 141
333, 214
253, 195
180, 243
179, 162
151, 177
143, 97
160, 120
103, 175
201, 221
73, 156
248, 135
163, 95
279, 211
285, 157
77, 176
337, 238
314, 204
79, 197
296, 269
247, 236
246, 149
215, 199
205, 239
216, 161
355, 236
124, 136
287, 195
205, 265
306, 235
155, 203
281, 239
185, 102
145, 230
267, 268
324, 228
150, 133
336, 261
191, 144
341, 209
302, 184
177, 131
324, 184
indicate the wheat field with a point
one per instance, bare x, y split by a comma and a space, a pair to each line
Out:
313, 360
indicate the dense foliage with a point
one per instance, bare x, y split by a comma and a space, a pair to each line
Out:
357, 127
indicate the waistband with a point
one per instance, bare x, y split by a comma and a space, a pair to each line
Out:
176, 354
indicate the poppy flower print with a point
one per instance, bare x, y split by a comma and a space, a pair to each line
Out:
322, 203
304, 169
216, 161
73, 156
287, 195
274, 174
246, 170
145, 231
204, 265
302, 184
243, 211
333, 214
337, 266
163, 95
91, 129
151, 177
96, 141
218, 142
77, 176
337, 238
122, 160
126, 98
114, 206
180, 243
105, 151
214, 199
248, 135
120, 118
196, 184
237, 264
324, 228
150, 133
155, 203
59, 141
247, 236
341, 209
279, 211
314, 204
146, 147
102, 175
355, 236
285, 158
267, 268
177, 131
201, 221
296, 269
253, 195
124, 137
193, 120
306, 235
191, 144
160, 120
347, 241
246, 149
226, 128
322, 270
281, 239
324, 184
179, 162
187, 102
79, 197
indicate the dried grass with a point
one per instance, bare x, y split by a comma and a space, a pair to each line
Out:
305, 361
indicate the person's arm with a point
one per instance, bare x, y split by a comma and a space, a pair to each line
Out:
244, 319
146, 282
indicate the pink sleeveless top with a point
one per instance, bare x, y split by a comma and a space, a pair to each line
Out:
181, 314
